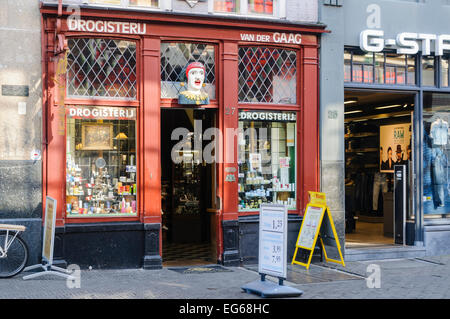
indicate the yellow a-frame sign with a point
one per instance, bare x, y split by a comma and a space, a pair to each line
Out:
317, 220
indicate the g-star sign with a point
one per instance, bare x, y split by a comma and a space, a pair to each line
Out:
406, 42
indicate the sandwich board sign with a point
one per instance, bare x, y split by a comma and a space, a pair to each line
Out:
317, 224
272, 255
48, 241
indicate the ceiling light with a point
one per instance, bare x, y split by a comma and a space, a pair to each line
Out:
387, 106
353, 112
350, 101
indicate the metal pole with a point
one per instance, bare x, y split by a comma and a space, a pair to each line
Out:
418, 166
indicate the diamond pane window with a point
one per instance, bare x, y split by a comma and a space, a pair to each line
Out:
267, 75
175, 56
103, 68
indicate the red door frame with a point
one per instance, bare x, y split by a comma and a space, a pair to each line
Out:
226, 34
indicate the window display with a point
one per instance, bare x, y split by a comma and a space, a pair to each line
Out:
266, 159
436, 153
101, 175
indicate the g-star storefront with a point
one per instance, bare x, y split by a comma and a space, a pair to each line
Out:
395, 99
125, 197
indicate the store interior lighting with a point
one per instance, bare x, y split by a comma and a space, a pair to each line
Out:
351, 100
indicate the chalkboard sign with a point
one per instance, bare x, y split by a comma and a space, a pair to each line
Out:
273, 240
317, 223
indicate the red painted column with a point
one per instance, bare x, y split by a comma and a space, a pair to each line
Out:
229, 114
150, 148
150, 152
229, 177
310, 116
55, 153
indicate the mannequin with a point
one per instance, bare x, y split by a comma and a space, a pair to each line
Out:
439, 136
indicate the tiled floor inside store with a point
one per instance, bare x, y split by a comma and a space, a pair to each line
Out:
187, 254
366, 235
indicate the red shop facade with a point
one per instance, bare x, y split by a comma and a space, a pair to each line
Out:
110, 107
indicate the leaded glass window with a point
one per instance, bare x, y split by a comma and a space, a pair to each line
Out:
175, 56
267, 75
103, 68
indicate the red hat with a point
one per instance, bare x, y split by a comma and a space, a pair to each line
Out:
194, 65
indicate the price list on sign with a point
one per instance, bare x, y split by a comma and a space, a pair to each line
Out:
273, 240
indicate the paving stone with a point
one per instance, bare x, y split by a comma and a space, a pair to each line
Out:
399, 279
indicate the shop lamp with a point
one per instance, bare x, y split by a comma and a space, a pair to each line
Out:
121, 136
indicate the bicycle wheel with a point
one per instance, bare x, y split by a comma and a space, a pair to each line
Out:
16, 259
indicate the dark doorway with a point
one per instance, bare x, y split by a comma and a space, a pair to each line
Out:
187, 187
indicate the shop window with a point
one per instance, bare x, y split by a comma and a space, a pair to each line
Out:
347, 66
436, 154
144, 3
379, 68
267, 75
428, 68
101, 162
103, 68
411, 63
266, 159
274, 8
363, 67
175, 56
260, 6
226, 5
445, 70
113, 2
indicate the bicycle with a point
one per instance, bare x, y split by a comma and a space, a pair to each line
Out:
13, 250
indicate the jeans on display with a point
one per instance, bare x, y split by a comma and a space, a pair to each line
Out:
439, 174
379, 183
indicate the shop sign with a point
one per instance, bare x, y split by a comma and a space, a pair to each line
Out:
405, 42
273, 240
277, 37
267, 116
103, 113
106, 26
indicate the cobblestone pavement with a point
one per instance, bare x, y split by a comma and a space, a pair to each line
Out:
403, 278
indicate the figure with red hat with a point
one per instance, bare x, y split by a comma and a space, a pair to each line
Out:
195, 74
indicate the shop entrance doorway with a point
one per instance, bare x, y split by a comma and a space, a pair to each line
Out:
187, 188
378, 136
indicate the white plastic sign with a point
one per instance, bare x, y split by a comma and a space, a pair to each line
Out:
273, 240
